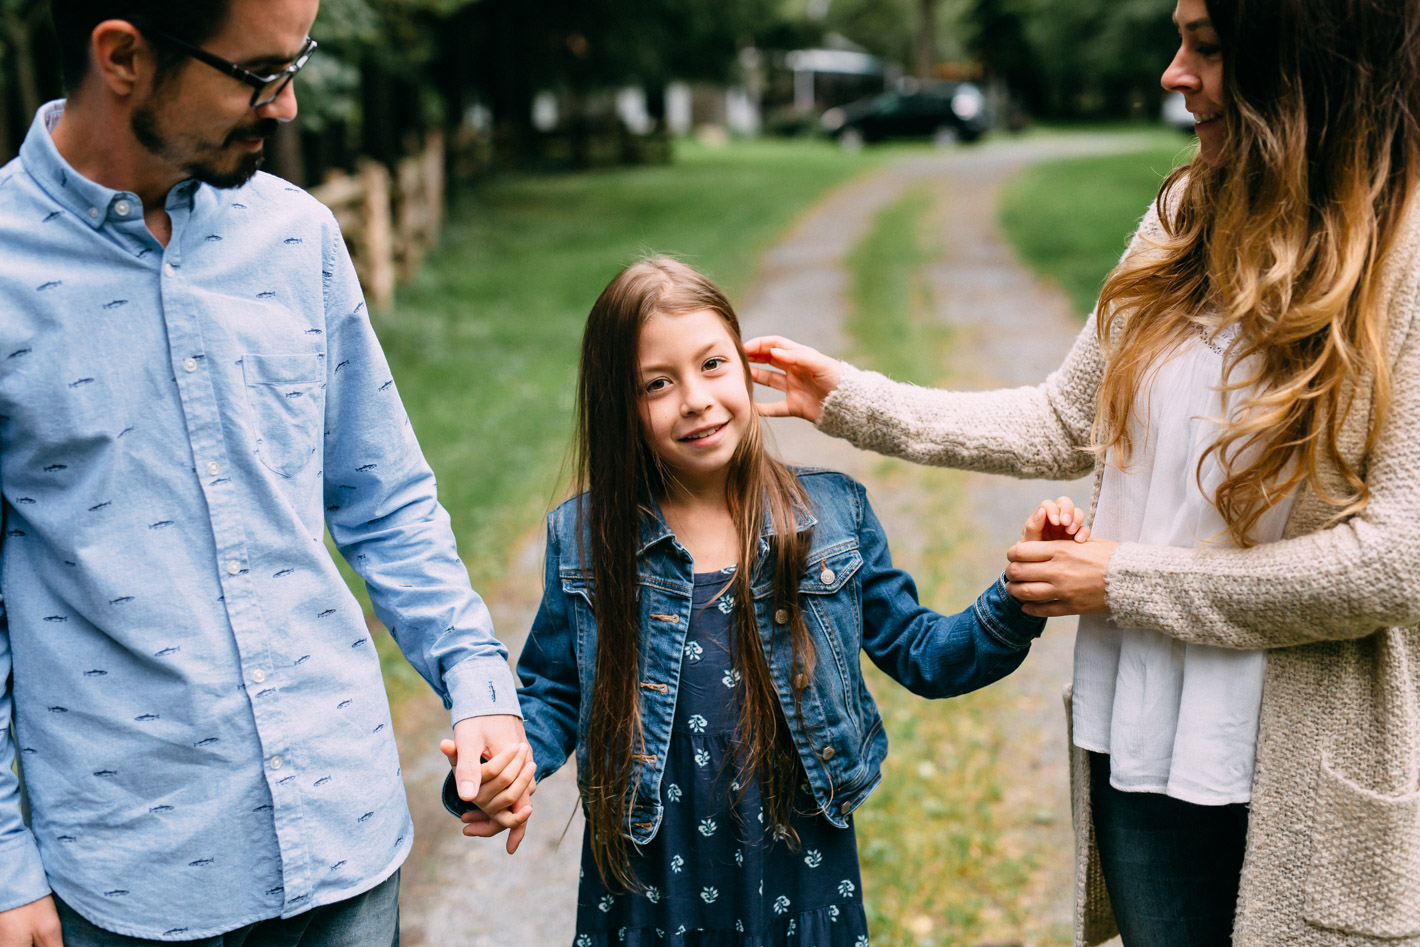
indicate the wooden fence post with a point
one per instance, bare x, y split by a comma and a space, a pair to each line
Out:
379, 236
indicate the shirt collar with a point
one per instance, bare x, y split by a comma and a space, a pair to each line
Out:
91, 202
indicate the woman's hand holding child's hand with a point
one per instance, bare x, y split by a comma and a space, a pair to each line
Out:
504, 796
1055, 569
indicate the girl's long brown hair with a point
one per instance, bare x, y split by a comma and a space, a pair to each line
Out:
618, 475
1284, 235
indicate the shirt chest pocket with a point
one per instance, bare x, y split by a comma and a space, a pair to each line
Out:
284, 395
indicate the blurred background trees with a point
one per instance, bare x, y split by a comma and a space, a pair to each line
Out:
526, 84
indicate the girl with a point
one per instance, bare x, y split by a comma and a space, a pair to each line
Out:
1247, 727
697, 643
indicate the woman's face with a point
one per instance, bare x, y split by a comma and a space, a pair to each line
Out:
1197, 72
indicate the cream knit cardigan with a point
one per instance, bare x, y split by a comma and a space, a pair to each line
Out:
1333, 842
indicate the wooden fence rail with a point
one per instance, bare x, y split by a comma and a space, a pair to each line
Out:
389, 221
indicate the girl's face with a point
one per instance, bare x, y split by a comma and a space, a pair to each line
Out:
1197, 72
695, 403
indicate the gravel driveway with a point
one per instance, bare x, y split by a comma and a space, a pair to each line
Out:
1008, 330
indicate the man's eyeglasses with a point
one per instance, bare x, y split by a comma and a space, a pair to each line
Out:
267, 88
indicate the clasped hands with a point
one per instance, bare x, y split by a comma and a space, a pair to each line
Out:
1056, 569
502, 785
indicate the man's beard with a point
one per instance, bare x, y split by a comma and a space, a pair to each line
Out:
144, 125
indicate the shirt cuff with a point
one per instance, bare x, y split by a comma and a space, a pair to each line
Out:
480, 687
22, 877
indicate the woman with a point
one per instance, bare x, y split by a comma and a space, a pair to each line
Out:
1247, 725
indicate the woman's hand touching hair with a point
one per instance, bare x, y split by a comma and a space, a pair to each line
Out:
805, 375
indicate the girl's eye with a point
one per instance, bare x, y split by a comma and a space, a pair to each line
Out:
715, 362
1207, 49
655, 385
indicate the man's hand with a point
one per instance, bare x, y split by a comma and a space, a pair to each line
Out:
805, 375
31, 925
501, 786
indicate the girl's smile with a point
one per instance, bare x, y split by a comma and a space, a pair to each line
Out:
1197, 72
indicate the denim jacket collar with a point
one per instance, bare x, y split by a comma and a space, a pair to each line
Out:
654, 528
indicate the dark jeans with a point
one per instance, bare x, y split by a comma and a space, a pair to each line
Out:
1171, 866
366, 920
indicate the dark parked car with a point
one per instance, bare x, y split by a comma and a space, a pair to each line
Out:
943, 111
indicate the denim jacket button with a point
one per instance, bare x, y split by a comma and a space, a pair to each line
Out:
827, 753
827, 576
781, 616
846, 808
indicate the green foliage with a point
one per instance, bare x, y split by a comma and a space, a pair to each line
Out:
1070, 220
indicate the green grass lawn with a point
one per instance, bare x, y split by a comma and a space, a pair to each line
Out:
1071, 219
483, 343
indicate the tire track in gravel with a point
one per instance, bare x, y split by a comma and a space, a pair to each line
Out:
1007, 330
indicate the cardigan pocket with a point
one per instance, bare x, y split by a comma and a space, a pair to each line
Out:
1364, 876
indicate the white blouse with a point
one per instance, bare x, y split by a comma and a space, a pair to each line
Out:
1175, 718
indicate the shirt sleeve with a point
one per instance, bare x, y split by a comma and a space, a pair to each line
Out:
383, 513
931, 654
22, 878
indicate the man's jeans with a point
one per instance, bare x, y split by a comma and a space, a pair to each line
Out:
366, 920
1171, 867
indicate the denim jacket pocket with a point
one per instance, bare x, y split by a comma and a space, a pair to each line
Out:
829, 598
284, 394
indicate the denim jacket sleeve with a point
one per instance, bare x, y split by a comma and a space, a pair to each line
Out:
550, 696
931, 654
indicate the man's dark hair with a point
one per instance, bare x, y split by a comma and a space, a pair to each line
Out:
195, 21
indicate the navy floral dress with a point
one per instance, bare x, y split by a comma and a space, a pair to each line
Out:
716, 875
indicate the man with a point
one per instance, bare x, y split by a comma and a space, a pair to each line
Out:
189, 392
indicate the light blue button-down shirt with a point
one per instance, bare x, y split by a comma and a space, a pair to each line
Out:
197, 703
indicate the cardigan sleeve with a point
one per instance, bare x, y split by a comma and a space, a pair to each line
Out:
1042, 431
1344, 581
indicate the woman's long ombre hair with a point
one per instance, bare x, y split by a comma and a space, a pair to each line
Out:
1285, 235
619, 474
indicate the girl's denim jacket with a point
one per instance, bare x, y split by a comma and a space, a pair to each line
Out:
852, 597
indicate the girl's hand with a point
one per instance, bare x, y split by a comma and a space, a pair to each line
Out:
1060, 578
805, 375
504, 797
1056, 519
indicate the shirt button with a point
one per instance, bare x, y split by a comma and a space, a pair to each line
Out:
214, 468
94, 213
234, 567
122, 207
276, 762
168, 269
189, 364
781, 616
827, 576
827, 753
259, 676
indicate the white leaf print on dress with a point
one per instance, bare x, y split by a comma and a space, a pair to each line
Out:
813, 858
605, 903
781, 904
702, 758
653, 894
693, 651
862, 941
708, 827
727, 605
677, 863
731, 678
673, 792
846, 888
709, 895
697, 723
